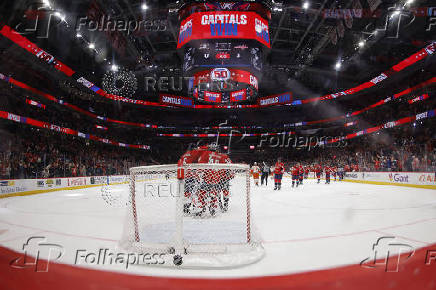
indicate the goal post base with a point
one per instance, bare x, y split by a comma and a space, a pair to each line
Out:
239, 256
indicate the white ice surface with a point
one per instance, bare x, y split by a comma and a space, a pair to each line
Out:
312, 227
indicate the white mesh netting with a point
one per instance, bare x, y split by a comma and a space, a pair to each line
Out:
200, 220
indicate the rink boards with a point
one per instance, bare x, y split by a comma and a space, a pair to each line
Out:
17, 187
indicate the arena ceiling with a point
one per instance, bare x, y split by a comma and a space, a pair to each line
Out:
309, 39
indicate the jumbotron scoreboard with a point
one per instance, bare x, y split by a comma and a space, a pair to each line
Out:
223, 46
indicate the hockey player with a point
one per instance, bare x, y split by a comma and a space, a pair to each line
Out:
207, 185
334, 172
265, 173
340, 173
327, 171
301, 175
318, 169
306, 171
279, 169
295, 171
255, 172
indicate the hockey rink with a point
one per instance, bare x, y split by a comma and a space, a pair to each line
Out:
314, 226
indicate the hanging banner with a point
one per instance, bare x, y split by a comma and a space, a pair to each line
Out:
238, 96
212, 97
176, 100
285, 98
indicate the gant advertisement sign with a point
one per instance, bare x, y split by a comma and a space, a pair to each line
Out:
222, 25
426, 179
398, 177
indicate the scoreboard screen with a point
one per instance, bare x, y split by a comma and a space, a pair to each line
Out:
223, 50
224, 25
213, 54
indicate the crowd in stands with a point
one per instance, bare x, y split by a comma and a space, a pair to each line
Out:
405, 148
36, 153
27, 152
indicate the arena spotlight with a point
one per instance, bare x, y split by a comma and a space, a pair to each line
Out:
361, 43
338, 65
144, 6
91, 45
114, 67
395, 13
78, 35
59, 15
306, 5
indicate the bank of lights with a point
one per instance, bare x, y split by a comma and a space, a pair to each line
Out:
59, 15
46, 3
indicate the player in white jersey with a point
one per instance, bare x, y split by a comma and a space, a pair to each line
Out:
255, 172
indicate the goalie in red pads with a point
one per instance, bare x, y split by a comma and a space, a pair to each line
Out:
203, 187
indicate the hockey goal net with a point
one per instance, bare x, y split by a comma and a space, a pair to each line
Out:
196, 216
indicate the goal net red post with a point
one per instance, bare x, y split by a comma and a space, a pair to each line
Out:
196, 215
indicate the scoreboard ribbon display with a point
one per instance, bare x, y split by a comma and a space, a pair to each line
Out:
176, 100
213, 97
238, 96
224, 74
285, 98
224, 25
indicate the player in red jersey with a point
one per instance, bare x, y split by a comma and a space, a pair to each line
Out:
328, 171
279, 169
306, 171
318, 169
334, 171
295, 171
301, 175
206, 183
